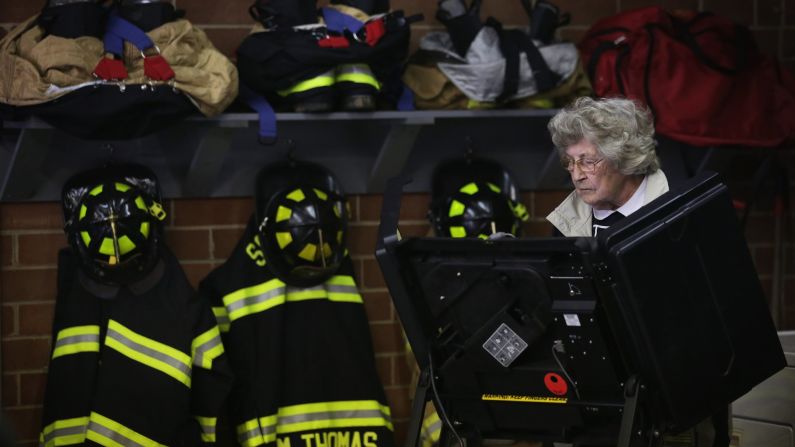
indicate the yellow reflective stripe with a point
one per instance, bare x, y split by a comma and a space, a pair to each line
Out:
359, 78
207, 347
320, 194
149, 352
83, 212
249, 434
222, 318
107, 432
324, 80
139, 202
75, 340
122, 187
520, 211
97, 190
458, 232
259, 298
126, 245
86, 237
254, 299
456, 208
144, 229
208, 427
64, 432
431, 429
493, 187
324, 415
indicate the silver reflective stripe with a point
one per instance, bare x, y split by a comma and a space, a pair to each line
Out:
74, 339
222, 319
110, 434
251, 434
355, 68
57, 433
330, 415
252, 300
171, 361
198, 358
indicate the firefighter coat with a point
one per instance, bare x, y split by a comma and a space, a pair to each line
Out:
138, 365
302, 357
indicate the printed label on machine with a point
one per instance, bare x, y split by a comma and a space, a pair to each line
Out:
504, 345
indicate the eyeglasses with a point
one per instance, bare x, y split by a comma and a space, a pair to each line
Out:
586, 165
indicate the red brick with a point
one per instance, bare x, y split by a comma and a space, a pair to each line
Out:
510, 14
197, 272
6, 251
416, 230
31, 216
224, 241
215, 12
227, 40
362, 239
769, 12
196, 212
399, 402
668, 5
403, 373
414, 206
546, 201
10, 390
768, 41
378, 306
572, 34
371, 274
9, 320
787, 45
385, 370
193, 245
739, 11
36, 319
40, 249
16, 11
537, 229
763, 259
27, 285
586, 12
386, 338
31, 390
25, 354
26, 423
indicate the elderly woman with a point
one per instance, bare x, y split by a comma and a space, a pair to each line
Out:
607, 145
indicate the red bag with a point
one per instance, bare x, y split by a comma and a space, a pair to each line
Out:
702, 76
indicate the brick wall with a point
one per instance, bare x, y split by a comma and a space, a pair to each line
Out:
203, 232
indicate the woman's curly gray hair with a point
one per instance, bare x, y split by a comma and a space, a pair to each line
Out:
622, 130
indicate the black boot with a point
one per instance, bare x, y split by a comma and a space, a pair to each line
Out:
71, 19
461, 22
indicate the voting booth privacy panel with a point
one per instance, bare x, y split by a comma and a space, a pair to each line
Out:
649, 328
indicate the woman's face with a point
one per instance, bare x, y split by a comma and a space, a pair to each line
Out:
604, 188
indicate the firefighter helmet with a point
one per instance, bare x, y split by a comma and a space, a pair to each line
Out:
303, 221
474, 198
112, 222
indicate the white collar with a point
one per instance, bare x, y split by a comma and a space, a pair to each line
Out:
633, 204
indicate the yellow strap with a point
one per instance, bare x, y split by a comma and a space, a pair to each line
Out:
208, 427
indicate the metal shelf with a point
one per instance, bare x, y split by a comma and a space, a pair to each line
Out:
220, 157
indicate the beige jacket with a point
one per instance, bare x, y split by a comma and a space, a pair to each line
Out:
35, 68
573, 216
